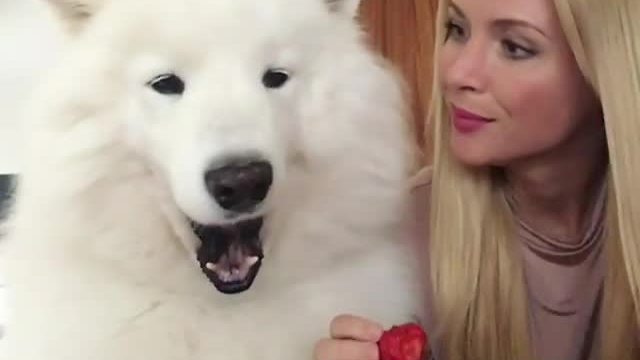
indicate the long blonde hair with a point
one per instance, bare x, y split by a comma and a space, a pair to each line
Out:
479, 291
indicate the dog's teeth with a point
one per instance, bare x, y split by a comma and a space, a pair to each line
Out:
252, 260
234, 273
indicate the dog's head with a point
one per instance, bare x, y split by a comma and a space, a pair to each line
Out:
224, 97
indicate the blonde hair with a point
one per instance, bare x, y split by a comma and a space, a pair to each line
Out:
478, 283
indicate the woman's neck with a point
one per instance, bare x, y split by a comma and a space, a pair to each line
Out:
554, 193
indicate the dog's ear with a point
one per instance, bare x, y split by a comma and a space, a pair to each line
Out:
75, 13
347, 7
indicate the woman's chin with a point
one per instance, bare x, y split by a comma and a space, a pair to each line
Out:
471, 152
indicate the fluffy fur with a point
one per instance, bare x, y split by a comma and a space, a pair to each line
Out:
100, 256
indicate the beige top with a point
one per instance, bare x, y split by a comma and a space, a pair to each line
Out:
564, 282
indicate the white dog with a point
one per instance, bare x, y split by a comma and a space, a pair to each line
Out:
209, 179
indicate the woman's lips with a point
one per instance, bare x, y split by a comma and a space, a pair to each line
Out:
465, 121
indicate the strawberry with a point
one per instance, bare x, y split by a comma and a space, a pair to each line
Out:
403, 342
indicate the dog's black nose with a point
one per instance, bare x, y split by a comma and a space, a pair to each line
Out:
240, 186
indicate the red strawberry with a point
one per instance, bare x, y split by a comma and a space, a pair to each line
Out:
403, 342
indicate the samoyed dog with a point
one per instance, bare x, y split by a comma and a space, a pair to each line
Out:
209, 179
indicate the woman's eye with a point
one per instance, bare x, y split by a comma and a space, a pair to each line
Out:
454, 31
515, 51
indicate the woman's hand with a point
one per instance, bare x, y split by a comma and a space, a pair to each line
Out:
351, 338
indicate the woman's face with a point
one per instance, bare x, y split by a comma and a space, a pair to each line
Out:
511, 82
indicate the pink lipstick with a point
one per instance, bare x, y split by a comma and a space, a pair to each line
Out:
465, 121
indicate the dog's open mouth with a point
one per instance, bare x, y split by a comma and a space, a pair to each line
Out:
230, 255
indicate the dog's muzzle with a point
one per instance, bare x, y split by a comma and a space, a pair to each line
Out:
230, 254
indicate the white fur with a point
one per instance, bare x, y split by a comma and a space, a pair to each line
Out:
100, 256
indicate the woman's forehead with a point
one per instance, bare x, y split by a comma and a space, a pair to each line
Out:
539, 13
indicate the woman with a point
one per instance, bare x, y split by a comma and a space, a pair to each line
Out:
533, 248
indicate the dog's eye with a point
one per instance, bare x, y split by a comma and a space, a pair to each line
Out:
167, 84
274, 78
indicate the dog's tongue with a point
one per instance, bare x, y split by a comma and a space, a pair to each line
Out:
234, 264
